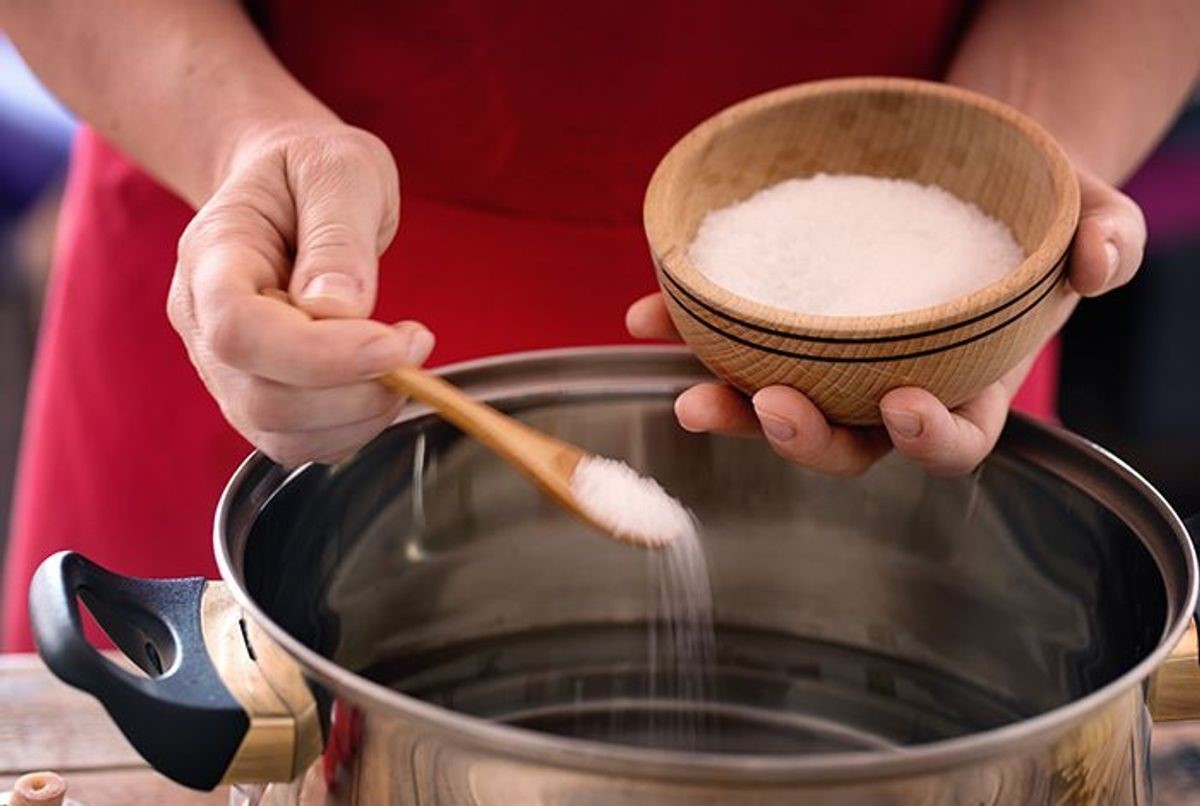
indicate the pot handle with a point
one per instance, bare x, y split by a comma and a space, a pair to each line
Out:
1175, 687
220, 702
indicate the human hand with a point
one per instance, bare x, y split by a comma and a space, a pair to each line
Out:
275, 277
1105, 254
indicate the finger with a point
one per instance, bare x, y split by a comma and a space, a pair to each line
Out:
716, 408
269, 406
648, 319
271, 339
345, 217
945, 442
240, 248
277, 294
1110, 240
798, 431
292, 448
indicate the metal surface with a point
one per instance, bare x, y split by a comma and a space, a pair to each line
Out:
936, 641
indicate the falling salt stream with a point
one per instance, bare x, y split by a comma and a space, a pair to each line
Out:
682, 644
681, 648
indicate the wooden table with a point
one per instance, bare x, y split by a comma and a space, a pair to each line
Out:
46, 725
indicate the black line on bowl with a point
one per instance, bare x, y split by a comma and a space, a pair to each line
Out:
865, 339
827, 359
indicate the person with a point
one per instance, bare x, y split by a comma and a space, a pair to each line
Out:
254, 147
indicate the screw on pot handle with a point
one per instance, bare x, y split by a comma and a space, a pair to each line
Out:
213, 708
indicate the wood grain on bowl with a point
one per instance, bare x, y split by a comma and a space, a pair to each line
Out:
974, 147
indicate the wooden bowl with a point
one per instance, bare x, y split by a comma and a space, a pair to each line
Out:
977, 148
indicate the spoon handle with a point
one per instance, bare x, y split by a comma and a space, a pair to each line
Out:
547, 461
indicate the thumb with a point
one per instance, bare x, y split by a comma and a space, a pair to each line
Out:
1110, 240
342, 226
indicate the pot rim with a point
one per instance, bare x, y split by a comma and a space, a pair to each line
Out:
542, 748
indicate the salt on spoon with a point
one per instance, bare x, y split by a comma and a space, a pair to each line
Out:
630, 506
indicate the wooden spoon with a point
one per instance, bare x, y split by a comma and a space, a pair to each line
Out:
546, 461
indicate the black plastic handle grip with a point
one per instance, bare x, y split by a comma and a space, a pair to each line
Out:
181, 717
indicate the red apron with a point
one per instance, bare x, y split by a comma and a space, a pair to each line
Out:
524, 139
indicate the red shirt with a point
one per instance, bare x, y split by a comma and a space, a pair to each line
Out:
524, 137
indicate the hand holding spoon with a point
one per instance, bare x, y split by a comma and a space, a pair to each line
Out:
605, 493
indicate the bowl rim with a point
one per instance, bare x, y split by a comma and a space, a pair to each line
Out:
1037, 275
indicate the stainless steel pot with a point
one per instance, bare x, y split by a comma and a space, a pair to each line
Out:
418, 626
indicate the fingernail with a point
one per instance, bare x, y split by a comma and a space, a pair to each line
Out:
420, 345
904, 423
1113, 256
777, 428
382, 355
340, 288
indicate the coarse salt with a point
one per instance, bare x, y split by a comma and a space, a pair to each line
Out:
629, 505
849, 245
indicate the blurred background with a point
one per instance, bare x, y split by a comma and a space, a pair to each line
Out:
1131, 363
35, 137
